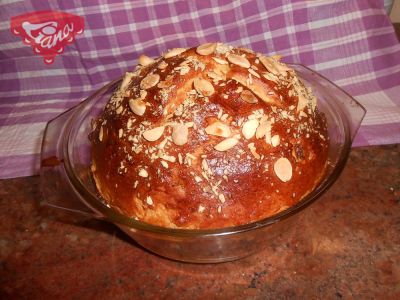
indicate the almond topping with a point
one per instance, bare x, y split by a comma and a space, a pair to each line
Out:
206, 49
149, 200
143, 173
154, 134
283, 169
265, 126
180, 134
239, 60
149, 81
101, 134
138, 106
144, 60
226, 144
248, 97
249, 128
162, 65
275, 140
126, 80
220, 61
274, 66
219, 129
174, 52
203, 87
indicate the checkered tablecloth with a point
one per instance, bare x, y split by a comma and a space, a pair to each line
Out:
352, 42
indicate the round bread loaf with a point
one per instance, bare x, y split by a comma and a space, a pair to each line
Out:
208, 137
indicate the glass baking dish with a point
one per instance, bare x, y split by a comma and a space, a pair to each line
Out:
66, 180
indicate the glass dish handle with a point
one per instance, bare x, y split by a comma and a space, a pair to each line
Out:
55, 186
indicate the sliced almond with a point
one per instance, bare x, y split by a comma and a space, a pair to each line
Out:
143, 173
180, 134
219, 129
144, 60
220, 61
162, 65
138, 106
154, 134
248, 97
283, 169
101, 134
263, 128
275, 140
149, 81
174, 52
206, 49
249, 128
226, 144
239, 60
143, 94
126, 80
203, 87
274, 66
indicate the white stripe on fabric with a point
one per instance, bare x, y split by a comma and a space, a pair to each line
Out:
21, 139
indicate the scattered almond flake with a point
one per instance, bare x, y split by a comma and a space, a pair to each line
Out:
198, 179
238, 60
275, 140
223, 49
143, 173
235, 180
169, 158
220, 112
203, 87
164, 164
162, 144
239, 89
144, 60
218, 129
206, 49
254, 73
149, 200
249, 128
137, 106
204, 164
225, 96
180, 158
174, 52
302, 114
226, 144
180, 134
125, 81
224, 117
201, 208
283, 169
119, 110
248, 97
263, 128
219, 209
220, 61
120, 133
101, 134
154, 134
221, 198
225, 177
149, 81
162, 65
253, 150
135, 184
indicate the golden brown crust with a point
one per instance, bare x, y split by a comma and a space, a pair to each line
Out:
208, 137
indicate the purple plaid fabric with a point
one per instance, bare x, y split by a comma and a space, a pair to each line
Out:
351, 42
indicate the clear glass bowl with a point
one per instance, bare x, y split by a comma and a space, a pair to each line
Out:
66, 181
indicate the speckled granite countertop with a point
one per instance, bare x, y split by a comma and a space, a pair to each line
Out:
352, 253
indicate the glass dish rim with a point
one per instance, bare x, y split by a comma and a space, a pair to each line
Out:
96, 203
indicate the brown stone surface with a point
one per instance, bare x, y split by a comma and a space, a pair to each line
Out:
349, 248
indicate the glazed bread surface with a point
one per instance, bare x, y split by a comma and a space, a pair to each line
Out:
208, 137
